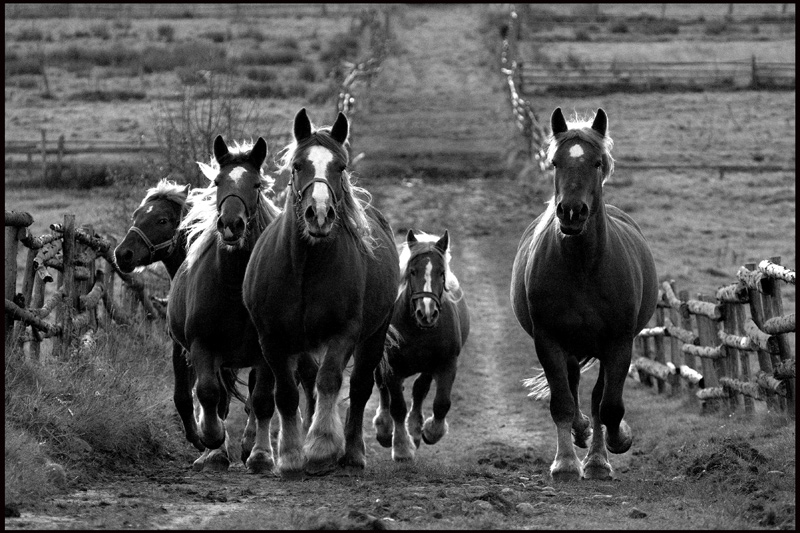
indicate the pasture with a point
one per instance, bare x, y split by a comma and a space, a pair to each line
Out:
419, 134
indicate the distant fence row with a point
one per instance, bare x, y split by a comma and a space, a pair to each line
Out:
251, 12
84, 295
727, 350
650, 76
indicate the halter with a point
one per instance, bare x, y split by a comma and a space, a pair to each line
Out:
250, 216
153, 248
299, 194
425, 294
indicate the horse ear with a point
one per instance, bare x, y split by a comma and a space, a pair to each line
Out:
259, 152
600, 123
443, 243
186, 189
302, 125
220, 148
340, 129
410, 237
557, 122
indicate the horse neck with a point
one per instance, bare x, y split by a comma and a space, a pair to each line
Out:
174, 260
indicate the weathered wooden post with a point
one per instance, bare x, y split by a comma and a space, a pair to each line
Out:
711, 351
754, 293
11, 273
733, 297
71, 300
773, 308
658, 343
676, 356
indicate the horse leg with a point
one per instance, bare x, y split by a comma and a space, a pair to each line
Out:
418, 392
249, 434
262, 408
218, 460
435, 426
367, 357
307, 369
382, 422
182, 395
325, 440
581, 426
612, 408
566, 466
212, 428
403, 448
287, 398
596, 465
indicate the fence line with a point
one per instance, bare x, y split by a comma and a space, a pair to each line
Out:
81, 286
723, 338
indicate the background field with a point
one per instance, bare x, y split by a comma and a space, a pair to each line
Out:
440, 152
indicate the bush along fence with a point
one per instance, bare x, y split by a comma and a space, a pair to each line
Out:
704, 345
80, 287
527, 122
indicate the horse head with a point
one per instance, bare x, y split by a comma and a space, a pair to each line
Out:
153, 235
318, 174
238, 184
582, 163
426, 278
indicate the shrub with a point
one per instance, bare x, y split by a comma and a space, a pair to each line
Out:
23, 66
340, 47
30, 34
307, 72
215, 36
618, 26
101, 31
196, 54
716, 27
582, 36
166, 33
261, 75
273, 90
252, 33
108, 96
276, 56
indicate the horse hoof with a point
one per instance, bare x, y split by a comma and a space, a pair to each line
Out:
582, 436
384, 440
622, 441
259, 463
597, 468
562, 476
216, 463
197, 465
320, 468
417, 441
244, 456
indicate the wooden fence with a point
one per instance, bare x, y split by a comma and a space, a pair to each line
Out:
645, 76
85, 278
706, 345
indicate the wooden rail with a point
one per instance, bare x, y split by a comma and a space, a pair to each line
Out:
719, 332
83, 297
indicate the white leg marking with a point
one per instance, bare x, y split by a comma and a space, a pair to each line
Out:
326, 434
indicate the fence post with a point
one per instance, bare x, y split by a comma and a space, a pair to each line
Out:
707, 331
27, 287
37, 301
676, 356
71, 297
658, 343
773, 306
732, 325
686, 323
764, 358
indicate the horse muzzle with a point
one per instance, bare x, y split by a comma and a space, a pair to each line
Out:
572, 217
232, 233
319, 220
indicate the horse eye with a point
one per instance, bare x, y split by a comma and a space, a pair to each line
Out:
554, 164
598, 164
413, 271
342, 168
297, 167
162, 220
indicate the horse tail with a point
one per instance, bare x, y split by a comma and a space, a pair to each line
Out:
540, 389
229, 378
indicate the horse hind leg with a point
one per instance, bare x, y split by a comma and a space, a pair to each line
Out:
403, 448
418, 392
581, 425
249, 433
182, 395
596, 465
382, 422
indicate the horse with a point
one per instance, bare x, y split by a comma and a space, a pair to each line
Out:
583, 284
157, 220
431, 318
322, 281
205, 312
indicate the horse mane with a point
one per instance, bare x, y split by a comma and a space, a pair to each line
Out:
167, 190
582, 130
426, 243
200, 223
355, 199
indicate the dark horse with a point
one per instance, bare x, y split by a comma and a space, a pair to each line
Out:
205, 310
322, 281
432, 322
583, 285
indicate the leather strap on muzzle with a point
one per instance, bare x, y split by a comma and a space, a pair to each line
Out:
425, 294
153, 248
299, 194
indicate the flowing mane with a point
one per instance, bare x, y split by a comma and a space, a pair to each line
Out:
200, 222
166, 190
355, 200
582, 129
425, 243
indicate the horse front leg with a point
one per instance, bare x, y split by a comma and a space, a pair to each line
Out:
612, 408
566, 466
418, 392
382, 422
403, 448
287, 399
249, 434
184, 377
307, 369
435, 426
209, 394
262, 407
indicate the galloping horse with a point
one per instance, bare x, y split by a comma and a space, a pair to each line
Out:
205, 310
322, 281
583, 285
432, 321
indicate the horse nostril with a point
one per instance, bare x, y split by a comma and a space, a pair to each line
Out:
239, 225
559, 211
434, 315
584, 211
331, 215
309, 214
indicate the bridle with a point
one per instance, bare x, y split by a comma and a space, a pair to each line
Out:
426, 294
153, 248
299, 194
250, 216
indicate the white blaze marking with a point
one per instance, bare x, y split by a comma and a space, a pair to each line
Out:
428, 288
575, 151
236, 174
320, 158
149, 209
